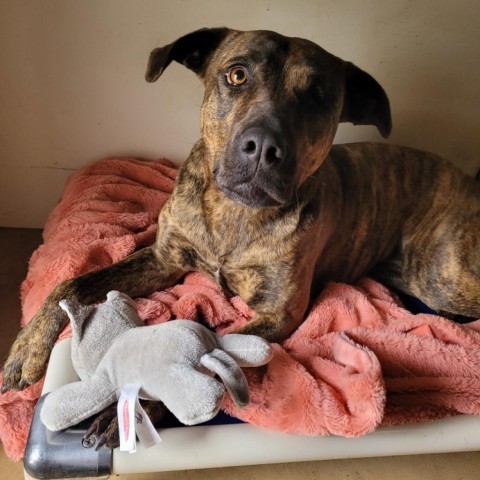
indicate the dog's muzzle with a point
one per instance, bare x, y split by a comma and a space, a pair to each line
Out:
257, 170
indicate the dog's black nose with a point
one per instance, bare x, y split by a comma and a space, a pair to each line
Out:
262, 146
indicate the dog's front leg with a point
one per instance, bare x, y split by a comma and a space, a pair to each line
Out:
139, 274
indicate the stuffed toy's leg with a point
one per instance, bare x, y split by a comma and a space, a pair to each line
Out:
75, 402
193, 397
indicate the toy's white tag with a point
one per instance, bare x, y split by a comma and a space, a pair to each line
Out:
132, 420
126, 417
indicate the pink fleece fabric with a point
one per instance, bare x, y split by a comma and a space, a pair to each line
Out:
358, 361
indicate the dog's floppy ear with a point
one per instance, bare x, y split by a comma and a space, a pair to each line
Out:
192, 50
365, 102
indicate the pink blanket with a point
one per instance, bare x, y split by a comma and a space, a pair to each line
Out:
359, 360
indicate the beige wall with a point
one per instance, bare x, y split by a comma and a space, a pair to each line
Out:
72, 88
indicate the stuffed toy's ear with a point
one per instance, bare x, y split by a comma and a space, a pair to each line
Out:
246, 350
95, 328
78, 314
124, 308
192, 50
365, 102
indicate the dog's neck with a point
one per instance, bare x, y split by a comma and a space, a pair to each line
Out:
227, 221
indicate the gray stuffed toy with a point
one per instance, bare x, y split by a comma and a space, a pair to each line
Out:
174, 362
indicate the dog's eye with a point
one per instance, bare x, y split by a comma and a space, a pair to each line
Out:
236, 76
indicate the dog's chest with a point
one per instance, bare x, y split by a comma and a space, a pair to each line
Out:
242, 250
242, 257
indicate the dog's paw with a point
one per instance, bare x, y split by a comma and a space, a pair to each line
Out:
271, 327
27, 361
104, 428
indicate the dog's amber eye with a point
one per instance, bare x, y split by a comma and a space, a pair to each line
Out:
236, 76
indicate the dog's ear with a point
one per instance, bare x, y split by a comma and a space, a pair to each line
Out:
192, 50
365, 102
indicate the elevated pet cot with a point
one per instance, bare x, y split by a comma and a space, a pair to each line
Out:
63, 455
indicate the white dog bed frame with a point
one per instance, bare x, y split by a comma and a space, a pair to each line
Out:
209, 446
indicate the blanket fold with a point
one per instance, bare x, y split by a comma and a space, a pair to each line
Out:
358, 361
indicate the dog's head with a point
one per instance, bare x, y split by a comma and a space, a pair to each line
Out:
271, 108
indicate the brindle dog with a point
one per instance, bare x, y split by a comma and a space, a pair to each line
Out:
266, 206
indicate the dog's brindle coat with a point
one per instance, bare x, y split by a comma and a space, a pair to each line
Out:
266, 206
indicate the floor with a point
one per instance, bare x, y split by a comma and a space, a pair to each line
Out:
16, 246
